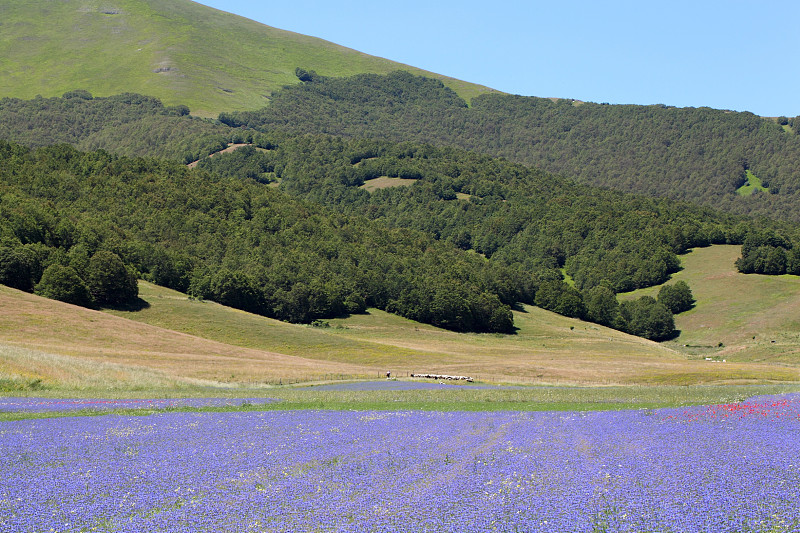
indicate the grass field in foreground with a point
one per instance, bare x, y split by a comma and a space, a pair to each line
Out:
452, 399
737, 317
179, 51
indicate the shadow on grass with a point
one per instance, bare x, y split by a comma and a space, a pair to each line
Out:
672, 336
135, 305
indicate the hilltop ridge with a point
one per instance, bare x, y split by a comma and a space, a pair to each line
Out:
179, 51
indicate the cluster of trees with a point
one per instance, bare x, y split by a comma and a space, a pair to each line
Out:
770, 252
69, 275
692, 154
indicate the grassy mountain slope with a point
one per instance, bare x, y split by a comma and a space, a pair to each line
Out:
178, 51
755, 317
181, 342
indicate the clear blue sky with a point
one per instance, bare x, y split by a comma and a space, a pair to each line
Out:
734, 54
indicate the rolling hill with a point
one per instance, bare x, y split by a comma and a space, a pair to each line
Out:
178, 51
177, 342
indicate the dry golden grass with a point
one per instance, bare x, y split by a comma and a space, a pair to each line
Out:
46, 326
180, 341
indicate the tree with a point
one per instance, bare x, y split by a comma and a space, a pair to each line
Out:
602, 306
17, 268
560, 298
677, 298
110, 282
62, 283
647, 318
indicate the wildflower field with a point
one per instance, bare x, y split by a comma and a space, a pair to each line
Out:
723, 468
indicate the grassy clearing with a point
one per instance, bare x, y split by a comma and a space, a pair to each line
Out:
178, 51
752, 185
740, 318
385, 182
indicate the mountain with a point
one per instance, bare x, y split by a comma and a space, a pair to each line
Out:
178, 51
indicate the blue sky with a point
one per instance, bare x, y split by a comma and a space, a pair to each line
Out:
735, 54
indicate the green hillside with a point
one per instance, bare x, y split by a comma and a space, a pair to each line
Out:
178, 51
737, 317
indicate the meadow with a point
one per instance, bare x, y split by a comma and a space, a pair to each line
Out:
721, 468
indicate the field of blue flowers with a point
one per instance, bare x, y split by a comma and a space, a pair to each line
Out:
724, 468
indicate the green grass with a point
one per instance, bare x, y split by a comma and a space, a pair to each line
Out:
752, 185
178, 51
527, 399
567, 278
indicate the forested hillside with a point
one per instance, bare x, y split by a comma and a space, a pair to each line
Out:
235, 241
438, 234
700, 155
526, 220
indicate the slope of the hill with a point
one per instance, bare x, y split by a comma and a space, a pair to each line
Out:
178, 341
178, 51
69, 346
700, 155
737, 317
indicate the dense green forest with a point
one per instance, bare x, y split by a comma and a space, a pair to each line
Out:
524, 219
513, 214
692, 154
699, 155
235, 241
